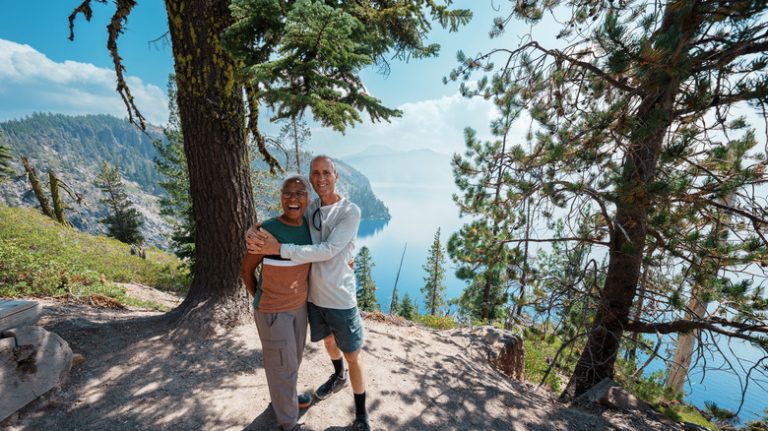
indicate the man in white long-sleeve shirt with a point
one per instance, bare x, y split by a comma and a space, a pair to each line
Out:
332, 303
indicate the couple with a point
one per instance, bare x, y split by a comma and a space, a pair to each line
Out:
306, 276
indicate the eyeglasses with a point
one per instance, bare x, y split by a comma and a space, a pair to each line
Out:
317, 219
290, 195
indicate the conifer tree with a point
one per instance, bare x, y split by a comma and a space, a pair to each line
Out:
634, 114
6, 171
394, 305
176, 205
55, 185
407, 309
293, 137
123, 221
434, 287
37, 188
366, 287
482, 247
308, 54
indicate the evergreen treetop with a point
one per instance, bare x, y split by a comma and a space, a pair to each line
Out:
407, 309
309, 53
366, 287
124, 221
434, 287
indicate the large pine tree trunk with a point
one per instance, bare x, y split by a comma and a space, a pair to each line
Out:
211, 110
651, 121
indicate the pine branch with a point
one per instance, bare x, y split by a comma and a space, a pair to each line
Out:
714, 324
716, 60
552, 240
114, 29
252, 98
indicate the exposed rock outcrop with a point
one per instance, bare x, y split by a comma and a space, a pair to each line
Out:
32, 362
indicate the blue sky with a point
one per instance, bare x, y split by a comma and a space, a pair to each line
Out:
42, 71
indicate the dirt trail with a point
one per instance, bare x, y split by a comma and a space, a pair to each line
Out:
135, 378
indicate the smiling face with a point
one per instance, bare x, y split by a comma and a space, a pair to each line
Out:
323, 177
294, 197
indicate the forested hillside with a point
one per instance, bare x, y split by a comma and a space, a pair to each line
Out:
74, 147
69, 144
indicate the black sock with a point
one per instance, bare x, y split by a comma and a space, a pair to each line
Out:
360, 405
338, 366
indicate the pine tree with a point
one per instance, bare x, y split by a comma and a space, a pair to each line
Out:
308, 54
123, 221
366, 287
293, 137
394, 305
434, 287
6, 171
407, 309
176, 205
56, 185
37, 188
481, 248
629, 141
269, 59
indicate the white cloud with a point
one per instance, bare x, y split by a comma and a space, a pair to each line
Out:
436, 124
31, 82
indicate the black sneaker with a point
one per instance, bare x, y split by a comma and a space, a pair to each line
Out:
331, 386
361, 424
305, 400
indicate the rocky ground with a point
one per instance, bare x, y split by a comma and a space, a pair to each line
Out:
137, 374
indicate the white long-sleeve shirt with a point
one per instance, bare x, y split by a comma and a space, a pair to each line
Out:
331, 280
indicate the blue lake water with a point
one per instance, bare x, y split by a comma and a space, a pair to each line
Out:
417, 212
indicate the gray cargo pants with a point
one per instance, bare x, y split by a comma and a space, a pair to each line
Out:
283, 336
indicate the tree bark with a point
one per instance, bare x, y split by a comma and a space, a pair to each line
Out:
58, 204
485, 310
632, 350
34, 181
652, 119
678, 369
211, 109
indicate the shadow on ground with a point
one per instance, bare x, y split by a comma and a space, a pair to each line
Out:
137, 376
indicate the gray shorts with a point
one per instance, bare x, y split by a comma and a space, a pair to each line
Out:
345, 325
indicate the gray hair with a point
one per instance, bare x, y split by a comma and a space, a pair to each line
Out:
297, 177
324, 157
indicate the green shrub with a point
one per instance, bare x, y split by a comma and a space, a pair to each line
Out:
538, 350
436, 322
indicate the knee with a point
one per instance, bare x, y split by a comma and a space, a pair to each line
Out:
329, 341
353, 358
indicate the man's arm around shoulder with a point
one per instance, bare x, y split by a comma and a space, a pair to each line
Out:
343, 232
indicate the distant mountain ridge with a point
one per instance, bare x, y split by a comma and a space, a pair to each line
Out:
69, 142
75, 146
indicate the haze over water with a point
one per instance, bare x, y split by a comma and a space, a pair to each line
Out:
417, 212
